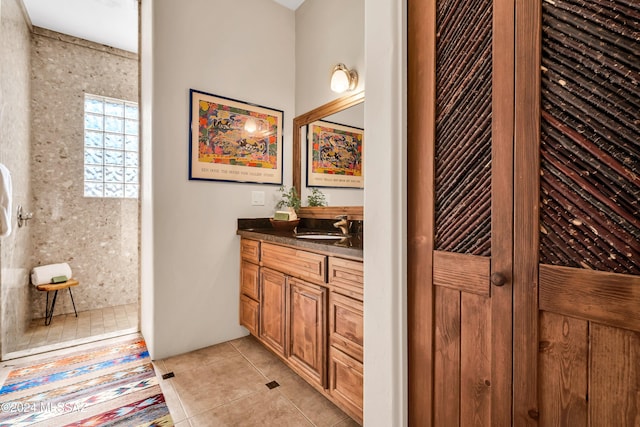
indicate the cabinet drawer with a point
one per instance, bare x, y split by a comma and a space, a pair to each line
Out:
250, 280
345, 381
346, 277
294, 262
250, 250
346, 325
249, 314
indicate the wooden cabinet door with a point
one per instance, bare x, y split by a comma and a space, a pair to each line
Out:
249, 314
273, 297
308, 330
460, 206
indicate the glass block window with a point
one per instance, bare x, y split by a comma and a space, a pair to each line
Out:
111, 128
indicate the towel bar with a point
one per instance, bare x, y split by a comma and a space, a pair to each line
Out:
49, 287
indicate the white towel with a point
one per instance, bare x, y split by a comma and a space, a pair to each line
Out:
43, 274
5, 201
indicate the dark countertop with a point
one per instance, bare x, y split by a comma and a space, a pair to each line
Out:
261, 229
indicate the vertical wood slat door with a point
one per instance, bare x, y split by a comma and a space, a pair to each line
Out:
460, 185
578, 316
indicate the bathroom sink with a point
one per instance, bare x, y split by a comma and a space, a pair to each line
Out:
320, 236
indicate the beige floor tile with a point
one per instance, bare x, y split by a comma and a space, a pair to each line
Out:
224, 385
96, 318
199, 358
110, 328
98, 330
84, 323
69, 328
159, 367
347, 422
38, 338
123, 324
39, 333
212, 385
83, 333
109, 321
69, 335
55, 333
264, 408
264, 360
315, 406
173, 401
120, 309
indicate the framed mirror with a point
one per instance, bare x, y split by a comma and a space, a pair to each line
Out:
299, 123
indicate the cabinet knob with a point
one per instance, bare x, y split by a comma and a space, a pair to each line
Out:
498, 279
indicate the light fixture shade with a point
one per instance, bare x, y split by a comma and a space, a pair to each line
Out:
343, 79
250, 125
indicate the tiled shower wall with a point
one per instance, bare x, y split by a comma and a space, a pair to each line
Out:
98, 237
15, 47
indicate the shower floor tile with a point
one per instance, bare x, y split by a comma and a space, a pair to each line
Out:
68, 327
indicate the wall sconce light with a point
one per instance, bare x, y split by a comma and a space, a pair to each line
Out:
343, 79
250, 125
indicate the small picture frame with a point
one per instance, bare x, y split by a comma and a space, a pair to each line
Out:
231, 140
334, 155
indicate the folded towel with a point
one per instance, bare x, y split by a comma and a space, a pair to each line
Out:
43, 274
5, 201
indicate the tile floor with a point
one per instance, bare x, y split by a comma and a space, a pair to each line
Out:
68, 327
224, 385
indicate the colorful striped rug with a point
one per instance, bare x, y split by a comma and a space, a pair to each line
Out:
113, 385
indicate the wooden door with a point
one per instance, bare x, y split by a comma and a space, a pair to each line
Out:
577, 217
307, 324
460, 189
575, 272
273, 296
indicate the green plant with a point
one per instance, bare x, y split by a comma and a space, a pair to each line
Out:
316, 198
289, 198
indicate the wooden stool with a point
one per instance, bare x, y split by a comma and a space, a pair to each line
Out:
56, 287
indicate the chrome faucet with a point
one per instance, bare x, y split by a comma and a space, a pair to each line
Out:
343, 224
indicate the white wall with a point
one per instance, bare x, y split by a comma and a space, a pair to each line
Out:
328, 32
385, 396
246, 53
147, 282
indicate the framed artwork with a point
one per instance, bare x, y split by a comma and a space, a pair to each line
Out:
231, 140
334, 155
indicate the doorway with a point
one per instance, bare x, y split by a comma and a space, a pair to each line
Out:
68, 157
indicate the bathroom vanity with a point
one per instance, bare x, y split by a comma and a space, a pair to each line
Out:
303, 299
